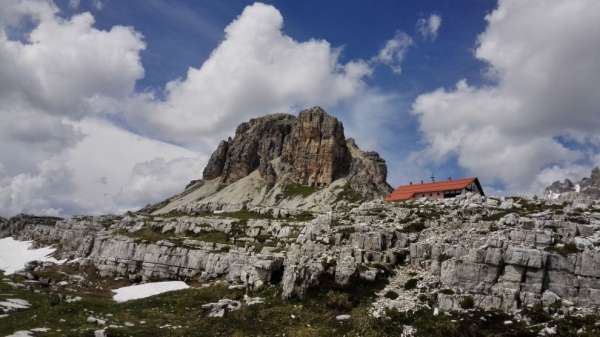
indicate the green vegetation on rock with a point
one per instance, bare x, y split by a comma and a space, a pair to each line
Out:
294, 190
349, 194
148, 234
564, 250
410, 284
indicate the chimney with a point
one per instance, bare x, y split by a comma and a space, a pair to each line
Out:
449, 178
421, 181
410, 183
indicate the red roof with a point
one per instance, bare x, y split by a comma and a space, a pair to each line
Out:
407, 192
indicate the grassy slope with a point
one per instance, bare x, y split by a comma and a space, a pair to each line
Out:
314, 316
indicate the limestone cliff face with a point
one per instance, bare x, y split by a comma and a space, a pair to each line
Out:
216, 163
312, 149
255, 144
368, 172
316, 149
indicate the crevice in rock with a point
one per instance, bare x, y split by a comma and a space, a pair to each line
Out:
277, 275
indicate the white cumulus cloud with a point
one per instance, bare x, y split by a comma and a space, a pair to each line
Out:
543, 59
152, 180
428, 28
257, 69
46, 191
55, 75
74, 4
106, 171
52, 77
393, 52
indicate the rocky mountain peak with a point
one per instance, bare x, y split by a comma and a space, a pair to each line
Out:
588, 187
301, 162
595, 177
311, 148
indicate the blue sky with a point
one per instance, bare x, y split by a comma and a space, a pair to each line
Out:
180, 34
120, 103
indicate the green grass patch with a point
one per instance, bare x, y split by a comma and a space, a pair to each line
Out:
565, 250
245, 215
410, 284
347, 193
315, 316
146, 234
495, 215
151, 235
212, 236
413, 227
447, 291
294, 190
392, 295
467, 302
303, 216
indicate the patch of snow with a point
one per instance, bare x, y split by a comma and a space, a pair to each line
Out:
553, 195
408, 331
75, 260
253, 300
92, 319
14, 255
12, 304
548, 331
342, 317
577, 188
146, 290
71, 299
220, 308
21, 333
40, 329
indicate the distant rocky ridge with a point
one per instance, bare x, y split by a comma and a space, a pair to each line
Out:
588, 187
296, 163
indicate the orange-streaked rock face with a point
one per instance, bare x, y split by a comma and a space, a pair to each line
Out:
312, 149
316, 149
